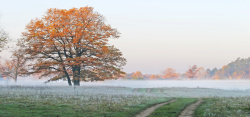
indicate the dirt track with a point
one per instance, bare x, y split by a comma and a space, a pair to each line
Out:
150, 110
148, 91
135, 90
189, 110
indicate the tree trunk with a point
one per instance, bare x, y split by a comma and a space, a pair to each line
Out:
77, 82
16, 69
68, 78
15, 77
67, 75
76, 76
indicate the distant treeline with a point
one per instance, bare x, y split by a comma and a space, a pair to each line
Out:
238, 69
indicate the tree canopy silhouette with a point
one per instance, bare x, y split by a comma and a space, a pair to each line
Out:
72, 44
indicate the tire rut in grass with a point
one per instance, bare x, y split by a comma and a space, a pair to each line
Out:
189, 110
135, 90
148, 91
150, 110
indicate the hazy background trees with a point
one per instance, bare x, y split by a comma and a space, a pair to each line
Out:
137, 75
169, 73
238, 69
3, 42
3, 38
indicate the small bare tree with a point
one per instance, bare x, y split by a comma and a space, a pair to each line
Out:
13, 68
3, 38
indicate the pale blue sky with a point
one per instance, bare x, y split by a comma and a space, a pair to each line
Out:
156, 34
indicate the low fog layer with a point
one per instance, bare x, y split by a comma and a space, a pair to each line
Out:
216, 84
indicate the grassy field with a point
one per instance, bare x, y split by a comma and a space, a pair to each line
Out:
104, 101
68, 101
224, 107
74, 107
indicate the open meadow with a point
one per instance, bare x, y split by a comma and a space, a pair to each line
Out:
114, 101
124, 58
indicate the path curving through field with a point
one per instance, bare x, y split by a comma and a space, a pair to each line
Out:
189, 110
150, 110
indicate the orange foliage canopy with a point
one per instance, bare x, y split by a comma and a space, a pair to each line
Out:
153, 77
195, 72
201, 73
72, 44
192, 72
137, 75
169, 73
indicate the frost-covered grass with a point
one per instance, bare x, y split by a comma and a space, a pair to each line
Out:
203, 92
106, 100
73, 101
192, 92
224, 107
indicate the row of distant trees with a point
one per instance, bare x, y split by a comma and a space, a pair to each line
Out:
238, 69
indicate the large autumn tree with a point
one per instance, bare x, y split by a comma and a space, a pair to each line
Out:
72, 44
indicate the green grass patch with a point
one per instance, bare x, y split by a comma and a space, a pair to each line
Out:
224, 107
13, 107
173, 109
142, 90
157, 92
